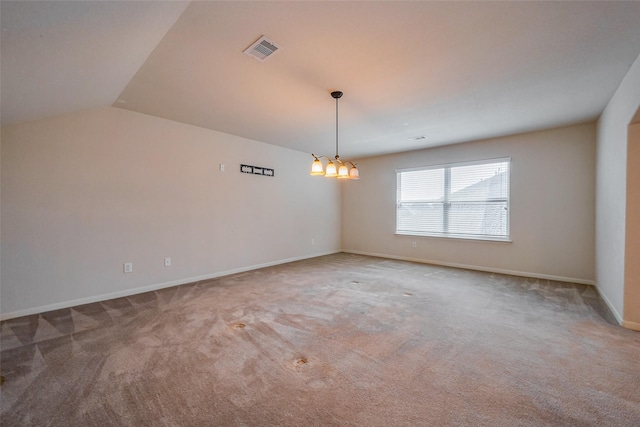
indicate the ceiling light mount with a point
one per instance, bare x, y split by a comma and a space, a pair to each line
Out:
340, 169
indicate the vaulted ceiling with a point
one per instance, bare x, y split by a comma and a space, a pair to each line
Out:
448, 71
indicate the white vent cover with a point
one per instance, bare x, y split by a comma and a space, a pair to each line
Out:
261, 49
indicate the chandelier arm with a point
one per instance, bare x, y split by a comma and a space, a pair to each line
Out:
337, 158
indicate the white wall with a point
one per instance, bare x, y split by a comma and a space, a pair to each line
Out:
552, 206
611, 187
86, 192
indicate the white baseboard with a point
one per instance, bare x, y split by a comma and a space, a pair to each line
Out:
479, 268
624, 323
154, 287
611, 307
149, 288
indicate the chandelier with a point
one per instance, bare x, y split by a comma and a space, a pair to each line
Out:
336, 168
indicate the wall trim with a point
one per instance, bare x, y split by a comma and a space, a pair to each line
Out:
128, 292
479, 268
153, 287
634, 326
624, 323
612, 308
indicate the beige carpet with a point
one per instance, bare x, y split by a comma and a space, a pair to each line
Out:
336, 340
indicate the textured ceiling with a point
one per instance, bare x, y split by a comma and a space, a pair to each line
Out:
449, 71
59, 57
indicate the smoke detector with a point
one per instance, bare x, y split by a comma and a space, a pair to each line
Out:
261, 49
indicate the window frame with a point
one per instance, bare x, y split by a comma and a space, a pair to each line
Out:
446, 203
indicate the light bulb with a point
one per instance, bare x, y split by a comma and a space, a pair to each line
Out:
353, 173
331, 170
343, 172
316, 168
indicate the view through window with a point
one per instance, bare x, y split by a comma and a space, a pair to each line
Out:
463, 200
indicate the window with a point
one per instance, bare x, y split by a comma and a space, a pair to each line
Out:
462, 200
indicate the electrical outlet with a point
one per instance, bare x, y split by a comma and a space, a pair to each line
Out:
313, 241
167, 262
414, 244
221, 167
128, 267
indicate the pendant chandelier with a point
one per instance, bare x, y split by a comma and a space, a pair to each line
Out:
336, 168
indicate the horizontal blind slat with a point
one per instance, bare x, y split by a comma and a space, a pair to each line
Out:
471, 200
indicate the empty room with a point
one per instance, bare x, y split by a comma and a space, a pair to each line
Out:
292, 213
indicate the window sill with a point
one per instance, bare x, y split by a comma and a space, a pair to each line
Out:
457, 237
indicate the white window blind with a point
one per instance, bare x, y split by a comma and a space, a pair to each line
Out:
463, 200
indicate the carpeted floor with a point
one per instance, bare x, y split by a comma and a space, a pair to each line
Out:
336, 340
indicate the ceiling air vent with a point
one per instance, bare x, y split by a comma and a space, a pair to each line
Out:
261, 49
